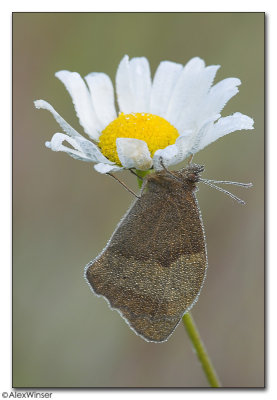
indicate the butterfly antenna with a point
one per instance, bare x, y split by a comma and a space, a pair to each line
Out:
246, 185
123, 184
209, 183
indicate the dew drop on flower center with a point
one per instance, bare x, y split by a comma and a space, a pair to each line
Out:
156, 131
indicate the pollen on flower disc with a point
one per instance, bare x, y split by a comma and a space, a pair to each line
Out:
157, 132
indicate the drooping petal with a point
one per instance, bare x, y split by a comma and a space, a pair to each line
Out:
225, 125
102, 94
133, 85
133, 153
63, 124
56, 144
105, 168
164, 82
92, 151
83, 149
82, 102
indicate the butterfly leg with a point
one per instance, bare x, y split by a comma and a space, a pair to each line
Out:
123, 184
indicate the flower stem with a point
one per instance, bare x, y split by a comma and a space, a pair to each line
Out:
200, 350
141, 175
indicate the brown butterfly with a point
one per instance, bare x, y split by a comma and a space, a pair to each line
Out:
154, 266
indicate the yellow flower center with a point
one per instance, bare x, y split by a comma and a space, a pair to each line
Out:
154, 130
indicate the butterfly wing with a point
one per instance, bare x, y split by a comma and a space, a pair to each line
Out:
153, 267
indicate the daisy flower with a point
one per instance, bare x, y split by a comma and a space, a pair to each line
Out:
164, 120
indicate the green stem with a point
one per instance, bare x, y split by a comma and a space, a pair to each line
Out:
141, 174
200, 350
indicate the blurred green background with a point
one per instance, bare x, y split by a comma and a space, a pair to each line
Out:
64, 212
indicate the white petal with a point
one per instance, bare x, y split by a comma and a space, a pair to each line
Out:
133, 85
63, 124
184, 144
89, 149
167, 156
172, 154
141, 78
56, 144
190, 115
182, 90
225, 125
133, 153
105, 168
218, 96
92, 151
124, 86
190, 92
102, 94
83, 149
82, 102
164, 81
197, 137
188, 143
